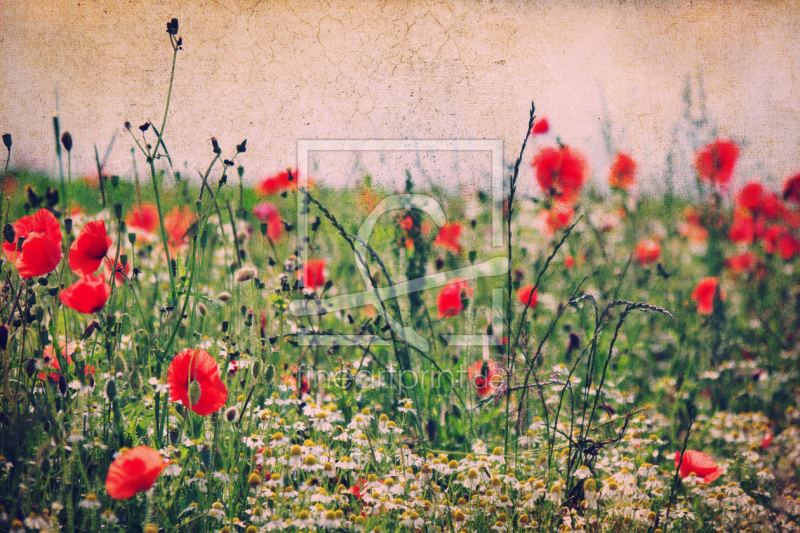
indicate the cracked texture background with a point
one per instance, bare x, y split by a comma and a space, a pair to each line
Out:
275, 72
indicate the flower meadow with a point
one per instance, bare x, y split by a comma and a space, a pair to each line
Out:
639, 374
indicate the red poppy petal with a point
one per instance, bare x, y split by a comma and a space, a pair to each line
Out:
132, 472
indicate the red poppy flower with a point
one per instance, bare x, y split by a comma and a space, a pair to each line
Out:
49, 359
703, 294
448, 237
134, 471
772, 207
701, 464
291, 381
277, 183
143, 217
767, 440
121, 271
569, 262
788, 246
87, 295
196, 365
647, 251
750, 197
41, 249
555, 218
89, 249
485, 384
791, 189
623, 172
268, 213
715, 161
540, 127
450, 297
524, 294
313, 274
771, 237
560, 173
177, 224
744, 262
742, 230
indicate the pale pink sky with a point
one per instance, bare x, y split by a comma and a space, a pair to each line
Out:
276, 72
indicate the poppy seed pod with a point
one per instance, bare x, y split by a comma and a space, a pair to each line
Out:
7, 140
241, 148
30, 367
215, 146
66, 140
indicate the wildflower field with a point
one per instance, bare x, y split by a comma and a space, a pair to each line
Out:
209, 356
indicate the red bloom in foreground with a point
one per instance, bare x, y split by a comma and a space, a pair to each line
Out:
450, 298
448, 237
703, 294
560, 173
647, 251
701, 464
121, 271
196, 365
540, 127
87, 295
715, 161
313, 273
134, 471
277, 183
89, 249
266, 212
524, 294
41, 249
623, 172
485, 381
143, 217
791, 189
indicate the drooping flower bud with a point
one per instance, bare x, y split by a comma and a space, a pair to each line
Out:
111, 389
66, 140
7, 140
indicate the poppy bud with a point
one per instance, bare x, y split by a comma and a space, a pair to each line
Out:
66, 140
240, 168
115, 181
45, 466
256, 369
269, 375
472, 255
3, 337
136, 381
118, 210
245, 274
215, 146
439, 263
68, 224
7, 140
30, 367
111, 389
9, 233
263, 227
201, 308
39, 311
224, 326
241, 148
119, 365
194, 393
62, 384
